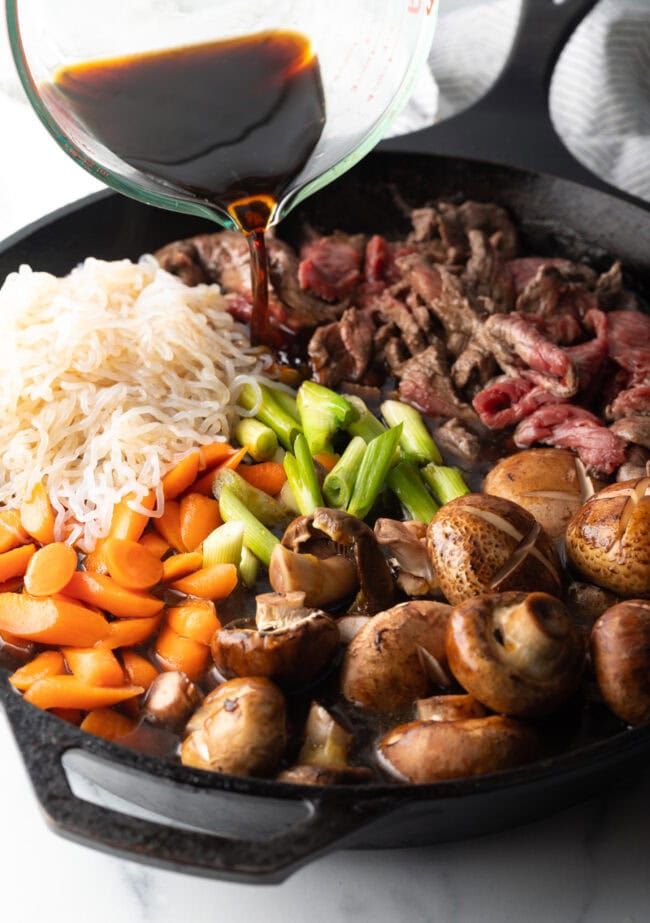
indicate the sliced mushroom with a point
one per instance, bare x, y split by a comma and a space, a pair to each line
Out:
406, 543
517, 653
391, 660
608, 538
550, 483
240, 729
620, 649
171, 698
449, 708
329, 535
481, 544
325, 775
431, 751
289, 642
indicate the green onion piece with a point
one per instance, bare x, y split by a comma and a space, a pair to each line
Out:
416, 442
265, 508
405, 481
287, 496
257, 537
446, 483
249, 565
322, 413
301, 476
287, 402
271, 413
224, 545
339, 483
259, 439
367, 426
373, 470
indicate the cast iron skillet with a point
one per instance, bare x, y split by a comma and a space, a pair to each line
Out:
249, 829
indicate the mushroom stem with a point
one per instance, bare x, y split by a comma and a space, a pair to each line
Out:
530, 626
323, 580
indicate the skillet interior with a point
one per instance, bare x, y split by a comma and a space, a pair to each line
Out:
555, 217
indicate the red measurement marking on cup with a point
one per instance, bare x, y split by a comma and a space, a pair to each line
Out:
417, 6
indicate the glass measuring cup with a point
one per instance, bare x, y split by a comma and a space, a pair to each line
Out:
368, 55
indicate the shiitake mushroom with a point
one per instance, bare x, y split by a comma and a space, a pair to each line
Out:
608, 539
482, 544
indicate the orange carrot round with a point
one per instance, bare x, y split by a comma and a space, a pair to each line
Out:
182, 476
196, 619
14, 563
12, 533
155, 543
94, 666
100, 590
49, 663
129, 632
127, 523
131, 564
199, 516
106, 723
214, 582
180, 565
70, 692
50, 569
169, 525
267, 476
139, 670
176, 653
51, 620
204, 484
213, 454
37, 516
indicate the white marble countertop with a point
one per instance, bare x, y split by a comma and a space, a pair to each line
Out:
587, 865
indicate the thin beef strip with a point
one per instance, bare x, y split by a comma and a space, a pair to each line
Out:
611, 292
455, 222
342, 350
505, 401
486, 279
425, 383
520, 349
531, 278
567, 426
454, 438
632, 401
330, 267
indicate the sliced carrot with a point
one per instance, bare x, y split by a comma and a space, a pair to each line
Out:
176, 653
266, 476
139, 670
214, 582
204, 484
327, 459
19, 646
50, 569
125, 522
70, 692
155, 543
129, 632
71, 715
37, 515
95, 666
182, 476
213, 454
14, 563
49, 663
51, 620
106, 723
196, 619
12, 533
100, 590
131, 564
169, 525
199, 516
95, 561
10, 586
180, 565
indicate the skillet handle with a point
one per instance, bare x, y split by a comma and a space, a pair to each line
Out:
511, 124
310, 822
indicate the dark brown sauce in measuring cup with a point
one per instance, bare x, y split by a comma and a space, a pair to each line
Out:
231, 123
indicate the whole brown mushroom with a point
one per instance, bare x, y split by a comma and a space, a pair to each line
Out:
170, 699
517, 653
550, 483
431, 751
449, 708
608, 540
240, 728
620, 650
288, 642
481, 544
397, 656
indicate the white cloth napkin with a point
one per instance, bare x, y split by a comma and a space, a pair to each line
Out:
600, 91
